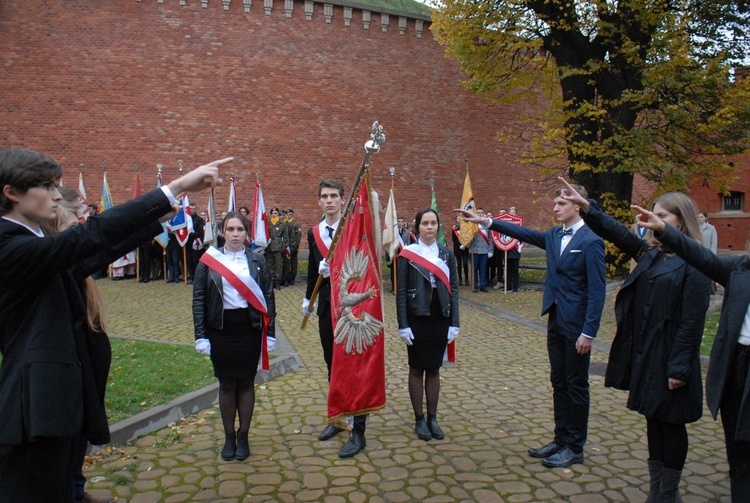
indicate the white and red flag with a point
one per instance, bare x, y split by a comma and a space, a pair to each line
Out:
232, 205
357, 384
260, 221
391, 237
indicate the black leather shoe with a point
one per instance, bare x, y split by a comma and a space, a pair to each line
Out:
243, 447
563, 459
328, 433
422, 430
230, 447
435, 430
354, 446
548, 450
483, 289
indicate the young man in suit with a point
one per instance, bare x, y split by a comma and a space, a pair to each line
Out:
320, 238
574, 294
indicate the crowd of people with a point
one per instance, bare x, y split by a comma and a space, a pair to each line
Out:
56, 354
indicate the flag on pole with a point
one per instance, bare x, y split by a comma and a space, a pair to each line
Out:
209, 232
391, 237
136, 186
106, 195
358, 372
163, 238
260, 221
232, 205
468, 229
82, 193
181, 225
434, 206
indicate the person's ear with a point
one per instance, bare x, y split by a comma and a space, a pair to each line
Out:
11, 193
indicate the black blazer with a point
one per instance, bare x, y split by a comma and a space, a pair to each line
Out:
733, 272
313, 261
414, 294
45, 388
208, 297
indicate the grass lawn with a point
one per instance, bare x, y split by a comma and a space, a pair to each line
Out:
145, 374
709, 332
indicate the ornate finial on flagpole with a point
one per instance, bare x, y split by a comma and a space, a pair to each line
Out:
180, 164
159, 167
81, 167
466, 162
136, 167
378, 138
432, 184
392, 171
257, 176
105, 166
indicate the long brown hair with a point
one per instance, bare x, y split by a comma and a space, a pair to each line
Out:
93, 298
684, 208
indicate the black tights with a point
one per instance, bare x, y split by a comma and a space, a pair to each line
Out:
667, 442
236, 396
429, 380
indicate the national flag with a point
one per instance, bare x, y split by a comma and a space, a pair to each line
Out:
357, 383
136, 186
468, 229
106, 195
391, 237
82, 193
163, 238
232, 205
434, 206
209, 232
260, 221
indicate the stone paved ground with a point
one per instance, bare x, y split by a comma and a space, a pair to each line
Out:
495, 404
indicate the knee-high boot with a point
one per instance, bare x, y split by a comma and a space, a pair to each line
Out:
656, 471
670, 486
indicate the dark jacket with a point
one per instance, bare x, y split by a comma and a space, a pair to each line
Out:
313, 262
661, 311
733, 272
414, 296
46, 390
208, 297
575, 284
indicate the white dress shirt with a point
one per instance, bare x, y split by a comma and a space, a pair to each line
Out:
239, 266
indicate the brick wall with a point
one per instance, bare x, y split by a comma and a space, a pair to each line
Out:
136, 83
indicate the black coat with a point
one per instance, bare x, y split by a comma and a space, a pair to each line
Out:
46, 387
733, 272
414, 294
208, 297
661, 312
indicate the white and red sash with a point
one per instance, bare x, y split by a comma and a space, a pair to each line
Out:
250, 291
440, 270
456, 232
483, 232
323, 243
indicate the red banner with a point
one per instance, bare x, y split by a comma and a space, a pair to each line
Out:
503, 242
358, 371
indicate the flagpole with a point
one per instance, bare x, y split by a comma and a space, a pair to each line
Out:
163, 248
371, 147
184, 248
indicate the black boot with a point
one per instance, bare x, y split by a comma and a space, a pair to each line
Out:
656, 472
356, 443
421, 429
669, 491
243, 448
435, 430
230, 446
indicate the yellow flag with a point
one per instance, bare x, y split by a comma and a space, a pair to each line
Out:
467, 203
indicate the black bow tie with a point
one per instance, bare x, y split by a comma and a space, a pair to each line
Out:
565, 232
330, 231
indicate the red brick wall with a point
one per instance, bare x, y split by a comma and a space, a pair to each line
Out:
732, 227
140, 83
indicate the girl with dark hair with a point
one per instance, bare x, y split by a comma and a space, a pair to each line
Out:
230, 283
427, 305
661, 311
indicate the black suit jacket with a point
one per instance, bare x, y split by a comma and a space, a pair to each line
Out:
324, 292
45, 388
733, 272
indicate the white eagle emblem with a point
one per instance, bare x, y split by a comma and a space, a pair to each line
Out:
356, 332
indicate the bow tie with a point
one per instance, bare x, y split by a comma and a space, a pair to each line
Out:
565, 232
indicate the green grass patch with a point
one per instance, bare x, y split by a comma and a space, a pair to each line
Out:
709, 332
145, 374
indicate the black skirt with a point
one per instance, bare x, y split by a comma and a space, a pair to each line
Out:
235, 350
430, 337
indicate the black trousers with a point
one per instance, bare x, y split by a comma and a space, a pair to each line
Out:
738, 451
39, 471
569, 376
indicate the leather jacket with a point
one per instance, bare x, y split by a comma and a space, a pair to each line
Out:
208, 297
414, 296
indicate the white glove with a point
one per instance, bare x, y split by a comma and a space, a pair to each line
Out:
489, 254
305, 307
452, 334
323, 269
462, 247
406, 335
271, 343
203, 346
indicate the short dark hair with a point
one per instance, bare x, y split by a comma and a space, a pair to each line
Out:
23, 169
68, 194
237, 215
704, 213
580, 188
422, 213
331, 183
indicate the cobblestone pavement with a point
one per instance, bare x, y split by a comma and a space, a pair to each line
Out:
495, 403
